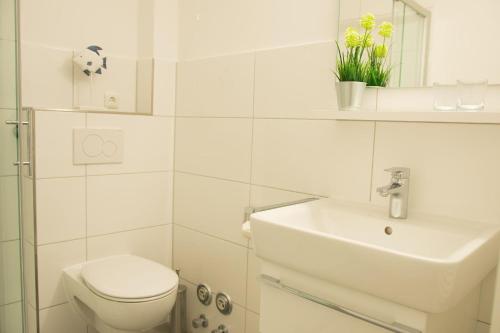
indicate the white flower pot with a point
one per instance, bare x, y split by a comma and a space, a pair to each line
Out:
350, 95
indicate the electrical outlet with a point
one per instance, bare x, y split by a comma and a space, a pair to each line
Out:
111, 100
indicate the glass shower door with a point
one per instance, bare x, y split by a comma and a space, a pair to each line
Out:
11, 284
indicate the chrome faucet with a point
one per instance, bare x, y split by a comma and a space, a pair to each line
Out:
398, 191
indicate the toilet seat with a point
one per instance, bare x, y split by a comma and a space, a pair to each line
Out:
129, 279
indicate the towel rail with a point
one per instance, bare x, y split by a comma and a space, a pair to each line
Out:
391, 327
250, 210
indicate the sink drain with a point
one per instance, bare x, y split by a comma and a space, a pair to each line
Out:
388, 230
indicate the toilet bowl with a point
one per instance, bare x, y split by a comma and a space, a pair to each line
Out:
121, 294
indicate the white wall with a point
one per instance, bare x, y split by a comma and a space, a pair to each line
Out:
463, 32
253, 127
87, 212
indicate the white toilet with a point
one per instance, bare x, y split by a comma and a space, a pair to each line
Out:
121, 294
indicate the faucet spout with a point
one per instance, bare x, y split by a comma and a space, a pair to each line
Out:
398, 191
390, 189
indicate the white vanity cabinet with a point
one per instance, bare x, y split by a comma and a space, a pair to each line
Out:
284, 312
298, 304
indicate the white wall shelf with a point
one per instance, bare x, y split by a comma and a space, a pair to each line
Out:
481, 117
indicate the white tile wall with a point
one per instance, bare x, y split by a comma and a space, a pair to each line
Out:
253, 288
221, 86
8, 83
61, 212
295, 82
10, 279
7, 20
165, 72
252, 322
440, 156
41, 22
166, 21
313, 156
219, 206
220, 264
9, 215
128, 201
54, 144
61, 319
214, 147
8, 153
154, 243
292, 22
50, 73
52, 259
205, 30
11, 318
148, 143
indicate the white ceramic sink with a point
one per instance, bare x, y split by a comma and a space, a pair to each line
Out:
427, 263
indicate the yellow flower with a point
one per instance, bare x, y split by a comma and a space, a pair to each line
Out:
385, 29
368, 41
381, 51
352, 38
367, 21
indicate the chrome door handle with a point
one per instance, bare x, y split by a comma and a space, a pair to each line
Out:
27, 117
21, 163
16, 122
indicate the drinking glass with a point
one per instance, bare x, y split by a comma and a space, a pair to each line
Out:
471, 95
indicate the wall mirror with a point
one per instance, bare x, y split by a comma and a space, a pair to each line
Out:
126, 82
435, 41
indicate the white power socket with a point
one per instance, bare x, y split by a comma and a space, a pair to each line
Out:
111, 100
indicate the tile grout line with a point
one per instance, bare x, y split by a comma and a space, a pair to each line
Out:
256, 50
252, 143
373, 149
105, 234
109, 174
86, 205
373, 161
53, 306
174, 176
211, 236
11, 303
251, 184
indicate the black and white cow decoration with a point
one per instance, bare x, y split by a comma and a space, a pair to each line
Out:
91, 60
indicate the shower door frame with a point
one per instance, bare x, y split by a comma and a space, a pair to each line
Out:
26, 154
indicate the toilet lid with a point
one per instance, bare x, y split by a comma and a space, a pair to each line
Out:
128, 277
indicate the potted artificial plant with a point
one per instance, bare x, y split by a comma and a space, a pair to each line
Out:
354, 69
378, 73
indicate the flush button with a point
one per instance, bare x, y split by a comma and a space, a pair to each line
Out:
97, 146
204, 294
224, 303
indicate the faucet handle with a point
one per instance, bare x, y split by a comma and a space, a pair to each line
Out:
399, 172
